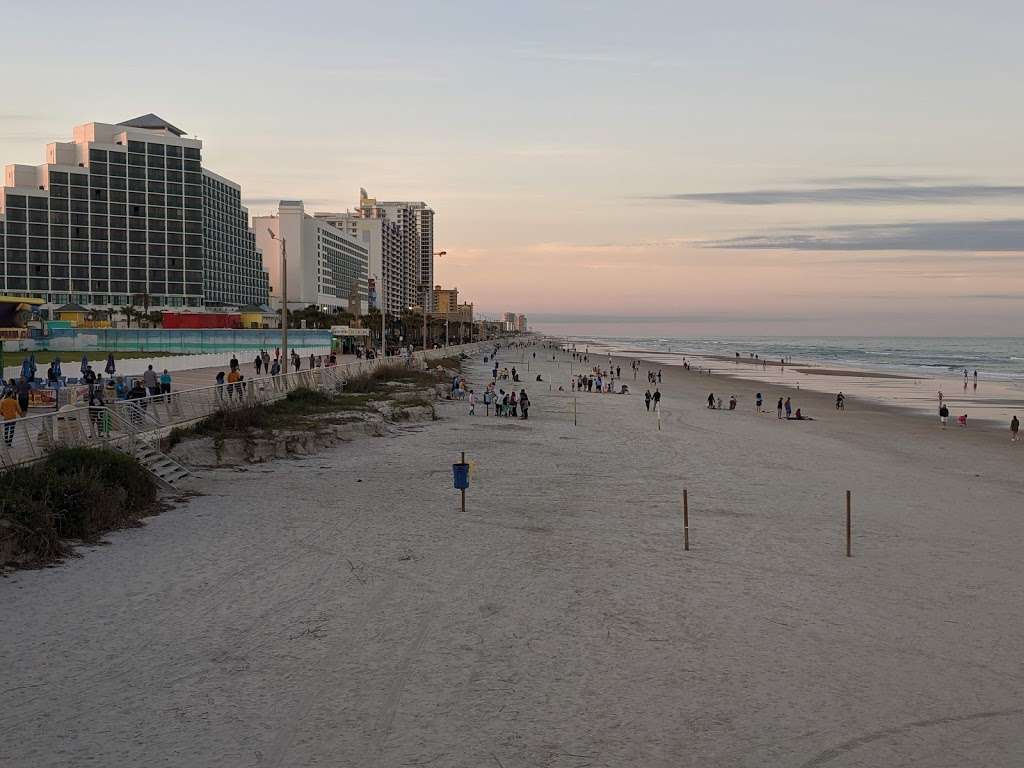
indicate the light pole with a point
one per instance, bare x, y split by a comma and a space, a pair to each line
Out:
427, 287
383, 331
284, 299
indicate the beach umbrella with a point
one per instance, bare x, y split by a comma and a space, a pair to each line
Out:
110, 365
85, 363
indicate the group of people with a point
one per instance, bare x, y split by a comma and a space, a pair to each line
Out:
508, 404
783, 408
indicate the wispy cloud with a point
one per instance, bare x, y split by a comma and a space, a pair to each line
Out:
1005, 235
855, 194
307, 201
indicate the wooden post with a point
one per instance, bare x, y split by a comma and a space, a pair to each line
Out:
659, 419
574, 411
849, 553
686, 521
463, 490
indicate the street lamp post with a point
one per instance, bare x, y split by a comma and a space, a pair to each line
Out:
284, 299
426, 296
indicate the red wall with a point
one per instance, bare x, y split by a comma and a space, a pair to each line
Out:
201, 320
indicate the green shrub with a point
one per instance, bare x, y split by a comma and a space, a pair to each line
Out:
75, 493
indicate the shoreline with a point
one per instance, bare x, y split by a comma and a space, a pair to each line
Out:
992, 407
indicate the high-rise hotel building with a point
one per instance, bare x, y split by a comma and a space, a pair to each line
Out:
416, 225
400, 240
126, 214
327, 267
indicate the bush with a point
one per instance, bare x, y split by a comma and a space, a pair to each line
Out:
375, 380
237, 421
75, 493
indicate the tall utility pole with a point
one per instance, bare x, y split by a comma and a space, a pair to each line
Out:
383, 331
284, 300
424, 307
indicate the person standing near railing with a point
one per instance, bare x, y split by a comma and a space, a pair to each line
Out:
9, 412
233, 383
150, 380
165, 384
24, 387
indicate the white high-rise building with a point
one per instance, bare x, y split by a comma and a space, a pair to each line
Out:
386, 266
327, 267
416, 220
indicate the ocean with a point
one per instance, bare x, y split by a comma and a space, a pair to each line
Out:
995, 358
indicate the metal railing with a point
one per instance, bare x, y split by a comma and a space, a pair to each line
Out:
119, 423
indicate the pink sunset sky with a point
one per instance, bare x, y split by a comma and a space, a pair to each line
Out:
793, 167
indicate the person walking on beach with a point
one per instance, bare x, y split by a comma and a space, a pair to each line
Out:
1014, 428
647, 399
943, 415
659, 375
656, 397
524, 403
757, 403
165, 383
711, 400
840, 401
778, 408
258, 364
789, 407
219, 379
472, 403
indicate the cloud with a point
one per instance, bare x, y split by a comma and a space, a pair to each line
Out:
307, 201
1001, 235
854, 194
845, 181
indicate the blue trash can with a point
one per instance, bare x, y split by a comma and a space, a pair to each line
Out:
460, 472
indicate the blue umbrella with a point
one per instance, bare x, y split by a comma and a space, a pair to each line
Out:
109, 370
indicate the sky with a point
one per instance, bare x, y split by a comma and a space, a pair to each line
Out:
689, 168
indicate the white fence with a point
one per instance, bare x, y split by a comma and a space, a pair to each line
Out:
32, 437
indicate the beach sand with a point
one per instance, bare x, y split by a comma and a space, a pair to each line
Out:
340, 610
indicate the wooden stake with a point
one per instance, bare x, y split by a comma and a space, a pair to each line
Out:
686, 521
463, 490
574, 411
849, 552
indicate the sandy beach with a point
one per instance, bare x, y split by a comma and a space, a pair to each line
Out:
340, 610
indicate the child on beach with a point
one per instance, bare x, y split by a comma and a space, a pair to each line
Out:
1014, 428
757, 403
472, 403
778, 408
962, 420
